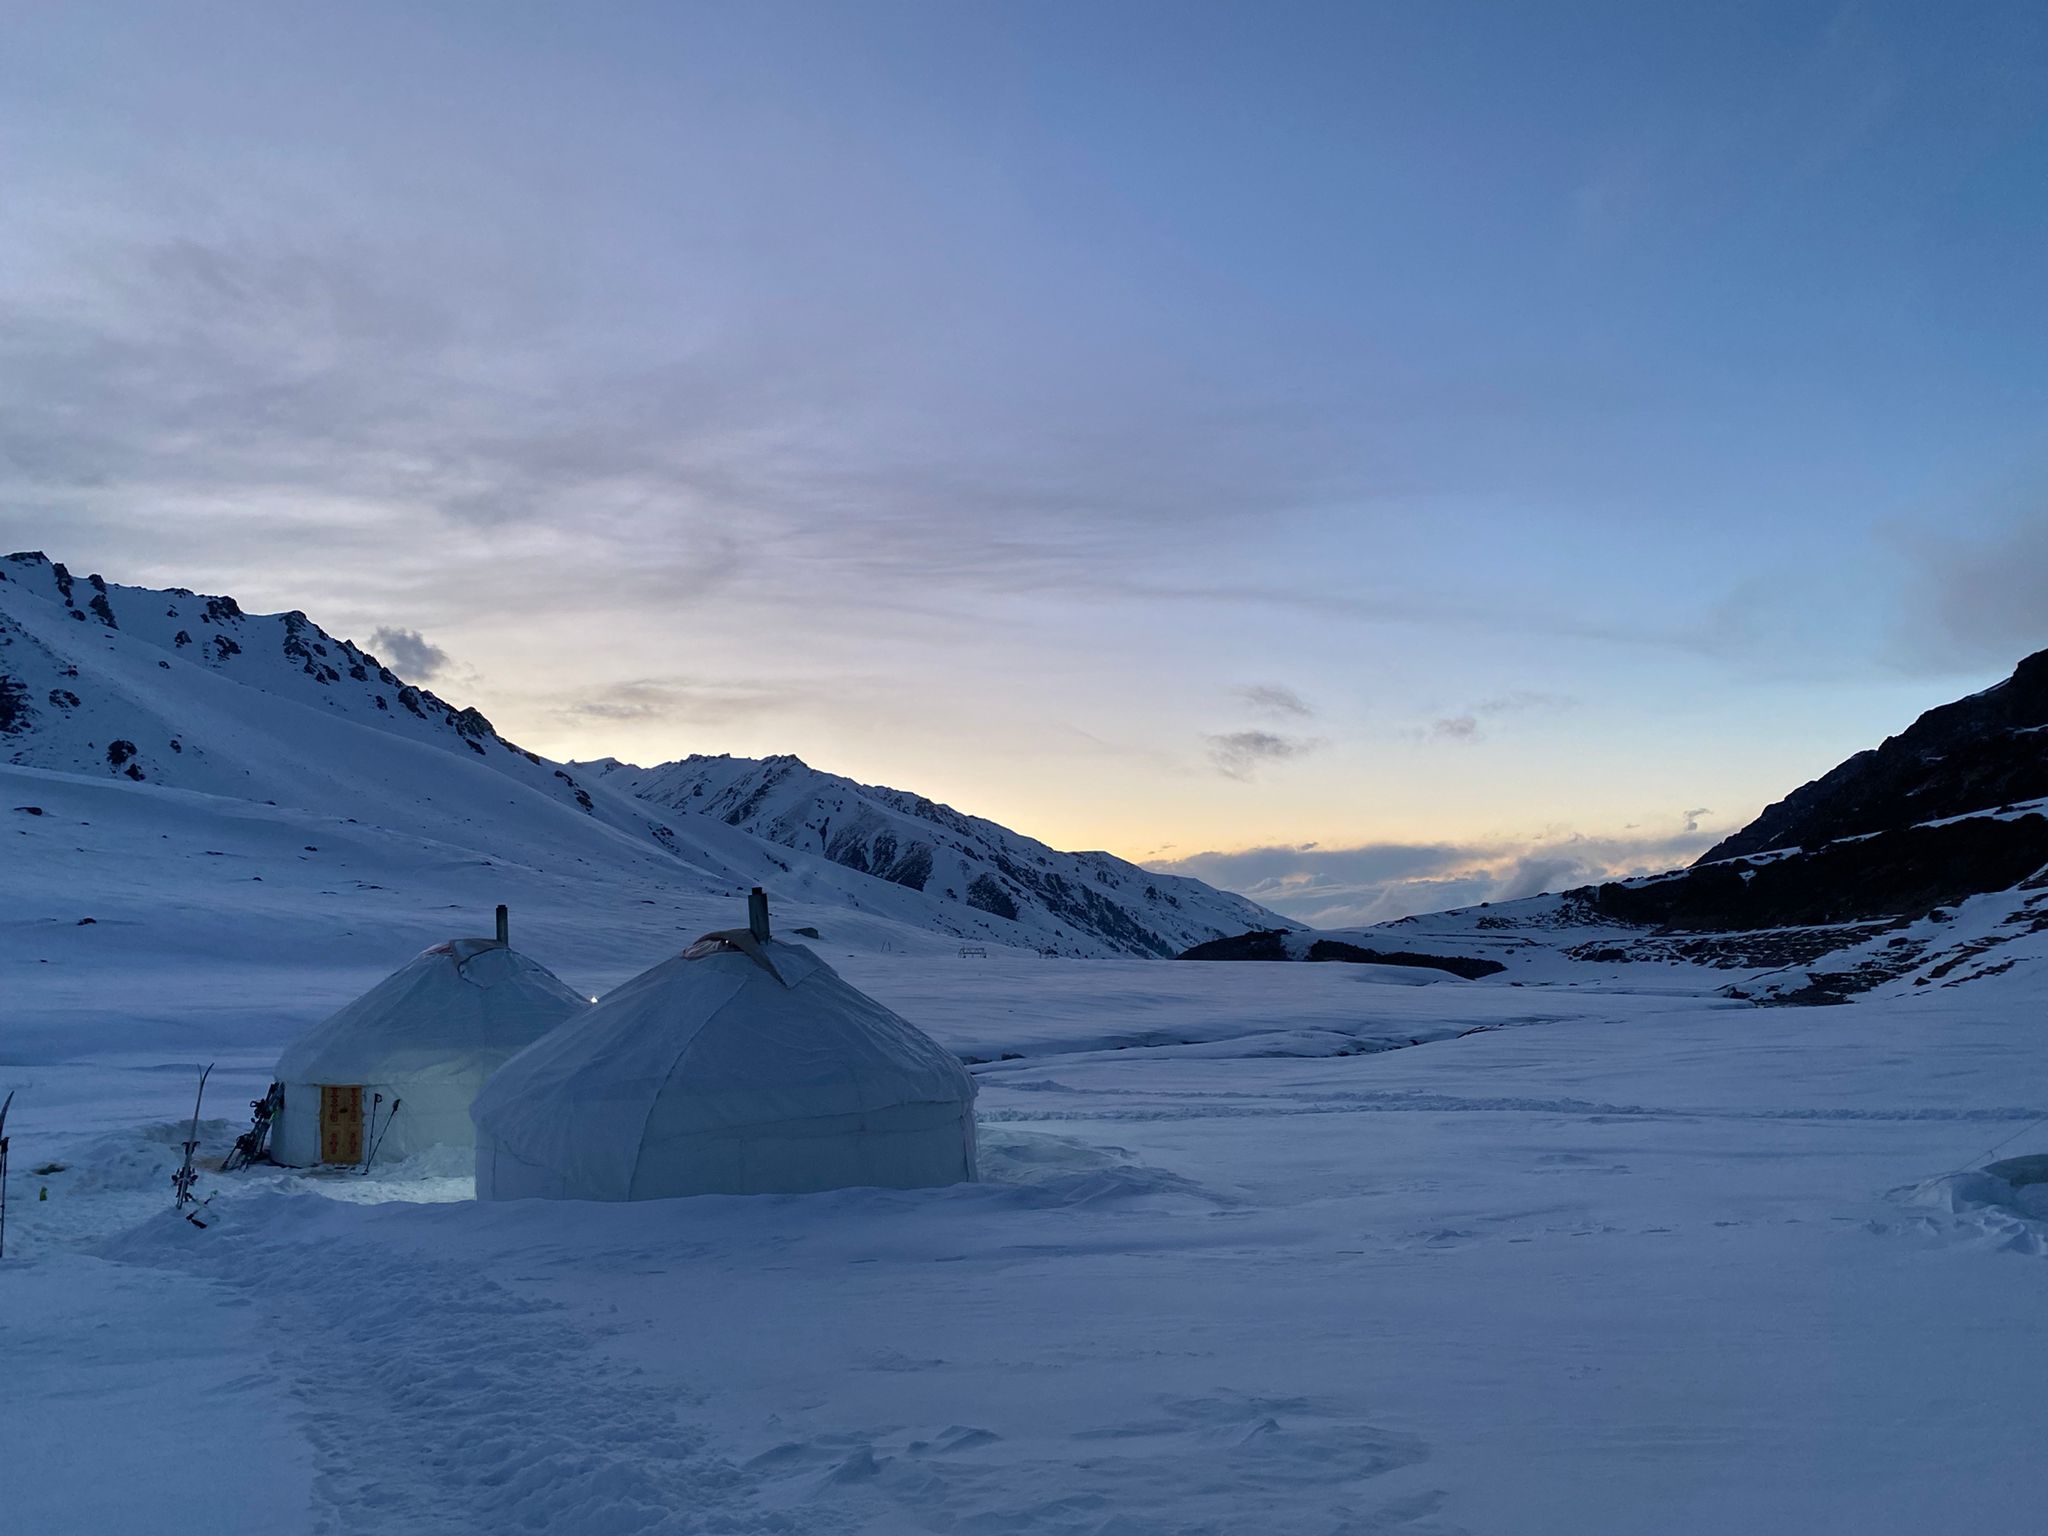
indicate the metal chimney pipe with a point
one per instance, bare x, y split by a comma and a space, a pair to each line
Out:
505, 925
757, 915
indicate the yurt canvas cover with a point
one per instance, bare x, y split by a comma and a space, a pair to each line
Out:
741, 1066
429, 1034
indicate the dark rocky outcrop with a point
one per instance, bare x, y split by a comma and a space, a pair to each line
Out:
14, 711
1905, 873
1979, 753
1271, 944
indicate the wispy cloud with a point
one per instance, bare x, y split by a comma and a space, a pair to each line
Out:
678, 701
1977, 600
1275, 699
1465, 726
1240, 754
1524, 700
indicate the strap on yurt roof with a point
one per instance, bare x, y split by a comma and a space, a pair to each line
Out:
751, 941
730, 940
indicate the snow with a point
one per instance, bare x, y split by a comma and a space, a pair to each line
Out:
1636, 1262
1587, 1247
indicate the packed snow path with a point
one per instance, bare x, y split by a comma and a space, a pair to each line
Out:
436, 1400
1648, 1264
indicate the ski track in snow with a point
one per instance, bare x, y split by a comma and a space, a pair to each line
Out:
440, 1403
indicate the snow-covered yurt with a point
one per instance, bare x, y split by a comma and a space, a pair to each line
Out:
742, 1066
396, 1071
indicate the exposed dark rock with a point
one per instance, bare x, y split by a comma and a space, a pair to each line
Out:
1271, 944
1976, 754
14, 711
1897, 874
986, 894
1468, 966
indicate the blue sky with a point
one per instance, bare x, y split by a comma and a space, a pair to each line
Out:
1374, 455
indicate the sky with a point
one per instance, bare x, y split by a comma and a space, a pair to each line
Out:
1372, 456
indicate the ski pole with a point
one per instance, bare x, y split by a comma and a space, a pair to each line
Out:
370, 1133
382, 1134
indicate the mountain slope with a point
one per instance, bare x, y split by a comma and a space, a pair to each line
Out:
1987, 750
1920, 864
144, 688
973, 867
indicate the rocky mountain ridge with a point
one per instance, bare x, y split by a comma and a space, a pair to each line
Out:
964, 861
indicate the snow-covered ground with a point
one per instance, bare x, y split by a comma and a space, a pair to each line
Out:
1582, 1247
1582, 1261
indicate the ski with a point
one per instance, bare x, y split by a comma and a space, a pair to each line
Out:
374, 1145
5, 1105
187, 1175
253, 1145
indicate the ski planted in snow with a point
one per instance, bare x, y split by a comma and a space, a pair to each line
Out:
187, 1175
253, 1145
5, 1105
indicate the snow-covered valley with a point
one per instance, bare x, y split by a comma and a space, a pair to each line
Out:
1613, 1262
1590, 1244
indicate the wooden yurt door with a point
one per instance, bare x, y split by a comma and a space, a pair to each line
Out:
341, 1123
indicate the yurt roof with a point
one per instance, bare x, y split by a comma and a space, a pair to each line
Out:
460, 1003
742, 1031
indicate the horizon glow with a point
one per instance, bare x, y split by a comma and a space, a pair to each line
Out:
1373, 457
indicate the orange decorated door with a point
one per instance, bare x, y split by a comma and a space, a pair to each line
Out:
341, 1123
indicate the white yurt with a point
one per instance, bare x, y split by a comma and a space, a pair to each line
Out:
395, 1072
742, 1066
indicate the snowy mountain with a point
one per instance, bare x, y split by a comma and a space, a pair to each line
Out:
176, 690
1921, 864
973, 866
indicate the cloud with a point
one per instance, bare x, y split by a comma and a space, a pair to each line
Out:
1240, 754
1520, 700
675, 701
1981, 601
409, 653
1378, 882
1465, 727
1275, 699
1692, 818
